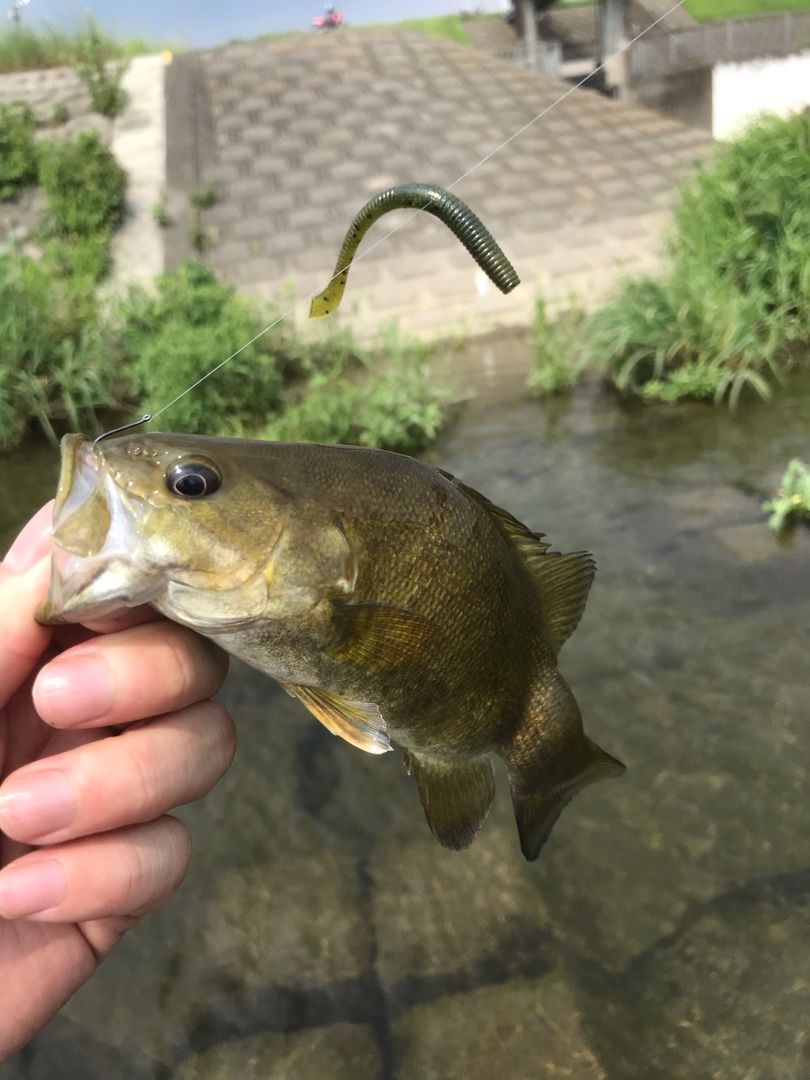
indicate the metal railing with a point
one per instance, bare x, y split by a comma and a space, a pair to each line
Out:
724, 42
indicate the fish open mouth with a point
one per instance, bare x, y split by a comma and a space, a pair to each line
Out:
93, 566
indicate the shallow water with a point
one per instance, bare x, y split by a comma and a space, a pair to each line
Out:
665, 931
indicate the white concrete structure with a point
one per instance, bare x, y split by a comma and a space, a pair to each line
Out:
139, 144
741, 92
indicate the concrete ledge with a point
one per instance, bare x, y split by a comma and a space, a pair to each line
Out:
139, 144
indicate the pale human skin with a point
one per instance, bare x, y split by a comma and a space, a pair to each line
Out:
102, 732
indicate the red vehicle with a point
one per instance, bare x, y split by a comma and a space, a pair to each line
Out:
332, 19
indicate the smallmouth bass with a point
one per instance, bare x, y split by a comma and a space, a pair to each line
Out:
398, 604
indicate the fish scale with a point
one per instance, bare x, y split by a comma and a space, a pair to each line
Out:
398, 604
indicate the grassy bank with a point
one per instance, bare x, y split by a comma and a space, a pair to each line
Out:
69, 358
26, 48
733, 311
70, 363
709, 10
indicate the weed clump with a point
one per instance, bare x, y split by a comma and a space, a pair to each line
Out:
792, 502
738, 292
279, 387
85, 187
386, 399
203, 198
736, 298
557, 366
25, 48
58, 362
18, 152
186, 326
102, 75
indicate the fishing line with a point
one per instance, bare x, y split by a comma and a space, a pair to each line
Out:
406, 221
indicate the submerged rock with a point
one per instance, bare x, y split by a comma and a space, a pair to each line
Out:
340, 1052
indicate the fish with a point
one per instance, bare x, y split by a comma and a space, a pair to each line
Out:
400, 606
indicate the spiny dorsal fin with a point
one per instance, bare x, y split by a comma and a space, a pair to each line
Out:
379, 637
564, 580
455, 797
358, 722
529, 543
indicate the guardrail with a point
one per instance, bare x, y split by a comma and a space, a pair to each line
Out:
726, 42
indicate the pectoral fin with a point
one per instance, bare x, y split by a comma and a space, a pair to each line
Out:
378, 637
358, 722
455, 797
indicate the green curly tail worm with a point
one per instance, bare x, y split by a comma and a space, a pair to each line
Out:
431, 198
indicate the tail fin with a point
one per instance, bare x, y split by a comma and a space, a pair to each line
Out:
537, 810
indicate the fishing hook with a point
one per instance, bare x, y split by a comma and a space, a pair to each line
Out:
124, 427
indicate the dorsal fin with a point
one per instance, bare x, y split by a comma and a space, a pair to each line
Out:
563, 580
527, 542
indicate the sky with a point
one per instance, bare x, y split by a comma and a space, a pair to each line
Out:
198, 23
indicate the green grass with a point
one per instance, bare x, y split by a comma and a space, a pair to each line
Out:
709, 10
18, 152
451, 27
58, 363
726, 317
322, 389
85, 186
557, 358
25, 48
64, 359
791, 503
384, 398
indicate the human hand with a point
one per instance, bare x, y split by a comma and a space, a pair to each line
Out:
102, 731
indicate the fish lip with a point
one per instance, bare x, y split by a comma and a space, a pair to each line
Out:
71, 467
86, 583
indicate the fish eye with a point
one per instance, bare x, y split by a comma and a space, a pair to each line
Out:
192, 480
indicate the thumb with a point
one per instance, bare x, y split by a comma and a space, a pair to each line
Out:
24, 579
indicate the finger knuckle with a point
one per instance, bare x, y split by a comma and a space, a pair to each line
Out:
177, 850
155, 861
142, 790
184, 662
223, 731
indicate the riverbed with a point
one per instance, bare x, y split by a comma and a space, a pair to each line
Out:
665, 930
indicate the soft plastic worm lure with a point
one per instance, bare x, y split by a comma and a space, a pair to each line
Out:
431, 198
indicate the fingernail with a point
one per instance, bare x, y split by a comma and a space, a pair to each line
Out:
33, 887
74, 690
32, 544
37, 805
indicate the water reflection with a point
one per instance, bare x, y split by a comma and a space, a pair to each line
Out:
665, 930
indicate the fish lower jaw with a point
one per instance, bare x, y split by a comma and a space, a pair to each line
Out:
79, 592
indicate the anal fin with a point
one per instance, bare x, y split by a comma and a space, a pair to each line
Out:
456, 796
537, 809
358, 722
